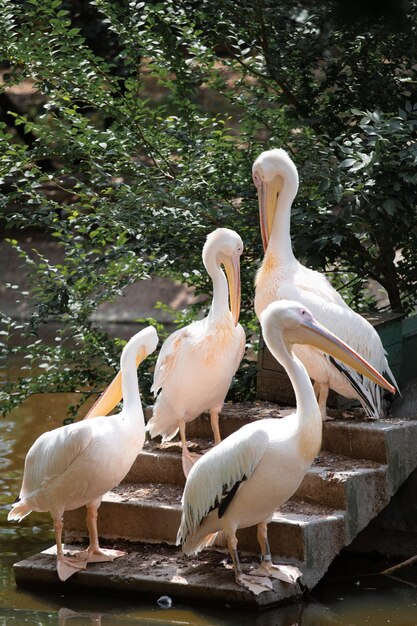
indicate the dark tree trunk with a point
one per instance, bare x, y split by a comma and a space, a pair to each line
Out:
390, 282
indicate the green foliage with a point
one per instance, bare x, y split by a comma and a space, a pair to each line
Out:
147, 119
331, 91
377, 158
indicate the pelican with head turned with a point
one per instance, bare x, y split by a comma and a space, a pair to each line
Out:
76, 464
196, 363
282, 277
245, 478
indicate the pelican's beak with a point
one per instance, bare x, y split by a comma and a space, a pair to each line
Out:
112, 395
232, 267
316, 335
268, 192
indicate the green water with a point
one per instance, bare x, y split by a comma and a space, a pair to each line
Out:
349, 595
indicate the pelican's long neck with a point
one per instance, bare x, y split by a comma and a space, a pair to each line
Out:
279, 244
308, 411
220, 303
130, 387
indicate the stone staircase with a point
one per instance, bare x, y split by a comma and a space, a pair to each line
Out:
361, 466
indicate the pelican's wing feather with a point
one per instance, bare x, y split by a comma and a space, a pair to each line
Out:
53, 453
242, 346
355, 330
167, 357
215, 476
318, 284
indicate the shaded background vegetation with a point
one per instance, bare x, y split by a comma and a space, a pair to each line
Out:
147, 119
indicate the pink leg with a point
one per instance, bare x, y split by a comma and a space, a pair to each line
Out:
286, 573
94, 552
322, 391
188, 458
253, 584
66, 565
214, 420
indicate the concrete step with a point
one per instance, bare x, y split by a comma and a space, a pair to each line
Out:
329, 481
347, 433
152, 571
151, 513
232, 417
146, 512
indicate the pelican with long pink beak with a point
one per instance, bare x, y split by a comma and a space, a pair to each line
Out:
246, 477
196, 363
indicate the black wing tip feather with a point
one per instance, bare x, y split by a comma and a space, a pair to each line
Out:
228, 497
17, 499
370, 408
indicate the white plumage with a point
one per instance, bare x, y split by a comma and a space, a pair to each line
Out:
282, 277
243, 480
77, 464
196, 364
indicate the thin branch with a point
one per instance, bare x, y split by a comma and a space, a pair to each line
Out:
272, 72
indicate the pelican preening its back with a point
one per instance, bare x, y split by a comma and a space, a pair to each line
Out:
196, 364
77, 464
244, 479
282, 277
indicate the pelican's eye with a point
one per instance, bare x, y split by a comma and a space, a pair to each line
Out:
257, 179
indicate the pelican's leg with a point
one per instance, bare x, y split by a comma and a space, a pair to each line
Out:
214, 420
188, 458
96, 554
322, 392
252, 583
287, 573
66, 565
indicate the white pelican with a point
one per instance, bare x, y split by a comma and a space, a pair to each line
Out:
241, 481
282, 277
77, 464
196, 364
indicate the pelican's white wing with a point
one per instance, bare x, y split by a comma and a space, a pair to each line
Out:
217, 472
167, 357
53, 453
242, 346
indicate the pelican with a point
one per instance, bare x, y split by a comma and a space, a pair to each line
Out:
282, 277
77, 464
240, 482
196, 364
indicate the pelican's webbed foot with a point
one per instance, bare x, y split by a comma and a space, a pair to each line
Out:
286, 573
254, 584
101, 555
66, 566
97, 555
188, 460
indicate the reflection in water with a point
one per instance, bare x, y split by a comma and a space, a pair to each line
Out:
66, 614
345, 597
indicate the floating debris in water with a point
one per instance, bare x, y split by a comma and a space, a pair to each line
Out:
164, 602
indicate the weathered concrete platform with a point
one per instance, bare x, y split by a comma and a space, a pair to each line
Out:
361, 466
153, 571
